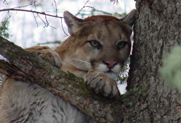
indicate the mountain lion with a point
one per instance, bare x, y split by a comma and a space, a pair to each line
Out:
96, 50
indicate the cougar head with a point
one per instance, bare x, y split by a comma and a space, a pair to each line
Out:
98, 42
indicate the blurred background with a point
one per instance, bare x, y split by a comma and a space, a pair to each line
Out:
20, 23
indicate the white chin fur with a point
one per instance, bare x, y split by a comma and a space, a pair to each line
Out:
111, 75
115, 70
102, 68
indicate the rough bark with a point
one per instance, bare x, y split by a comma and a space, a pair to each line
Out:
27, 66
157, 30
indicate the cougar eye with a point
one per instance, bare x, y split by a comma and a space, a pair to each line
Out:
95, 44
121, 45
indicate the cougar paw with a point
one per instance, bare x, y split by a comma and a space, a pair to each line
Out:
47, 54
101, 84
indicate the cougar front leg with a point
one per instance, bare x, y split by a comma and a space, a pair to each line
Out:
101, 84
47, 54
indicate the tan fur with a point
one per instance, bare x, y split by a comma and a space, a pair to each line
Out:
105, 29
96, 50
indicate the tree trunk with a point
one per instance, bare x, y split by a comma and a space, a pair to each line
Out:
157, 30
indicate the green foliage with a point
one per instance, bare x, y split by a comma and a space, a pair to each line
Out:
85, 13
171, 70
4, 28
4, 33
48, 43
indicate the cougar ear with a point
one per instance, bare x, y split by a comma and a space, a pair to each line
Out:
72, 22
129, 18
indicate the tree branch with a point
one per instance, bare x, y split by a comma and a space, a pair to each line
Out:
30, 11
30, 67
82, 8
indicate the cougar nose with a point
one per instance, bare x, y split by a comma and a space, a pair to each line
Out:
110, 64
